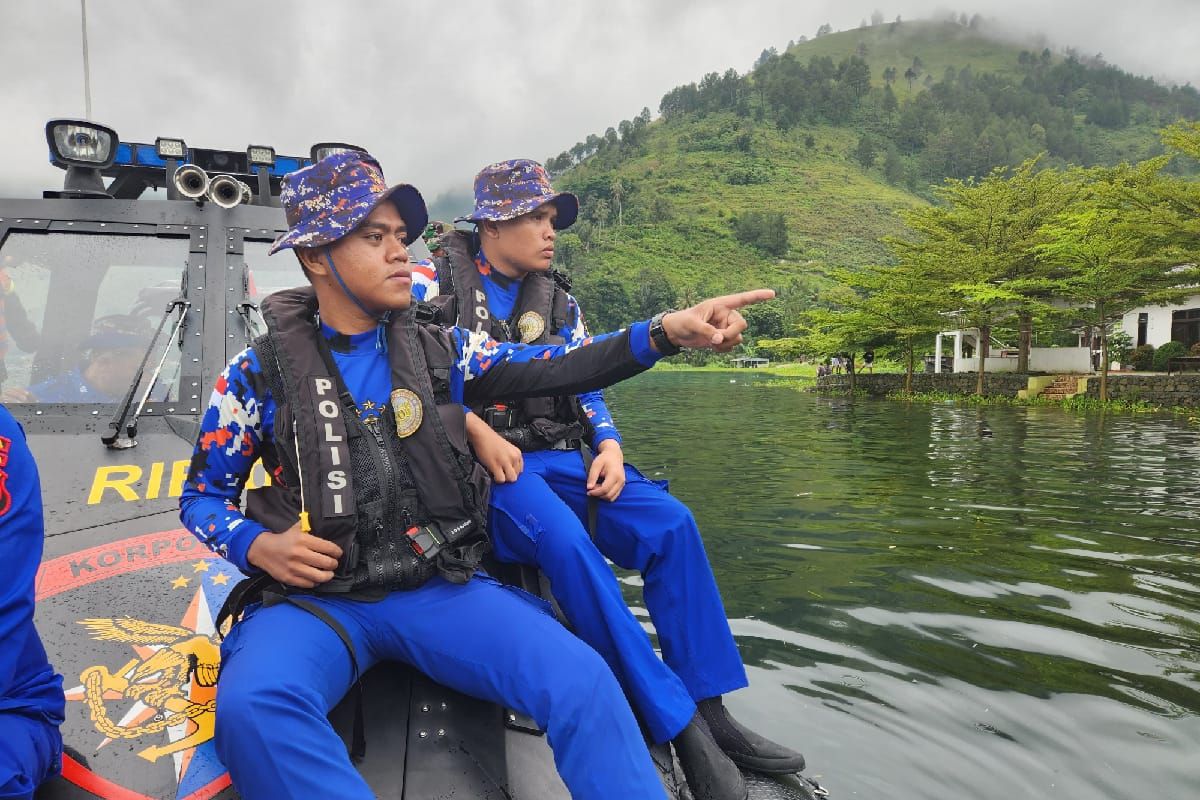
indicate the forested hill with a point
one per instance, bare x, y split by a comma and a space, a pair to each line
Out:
769, 177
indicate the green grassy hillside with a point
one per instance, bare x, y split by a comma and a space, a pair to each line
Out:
938, 45
769, 178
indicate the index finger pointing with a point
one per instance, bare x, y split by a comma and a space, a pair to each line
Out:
746, 298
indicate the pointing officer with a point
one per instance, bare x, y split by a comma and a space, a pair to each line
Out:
546, 496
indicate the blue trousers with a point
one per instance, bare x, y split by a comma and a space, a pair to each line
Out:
539, 519
30, 752
283, 670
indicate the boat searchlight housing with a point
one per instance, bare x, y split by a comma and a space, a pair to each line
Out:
83, 148
323, 149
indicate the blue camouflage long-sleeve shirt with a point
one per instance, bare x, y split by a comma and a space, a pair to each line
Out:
28, 684
239, 420
501, 298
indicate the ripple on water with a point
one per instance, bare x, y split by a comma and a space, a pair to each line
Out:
928, 611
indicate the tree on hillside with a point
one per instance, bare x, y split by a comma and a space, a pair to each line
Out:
765, 56
1112, 263
856, 74
889, 103
617, 192
910, 75
764, 231
824, 30
889, 76
893, 166
651, 293
865, 152
606, 301
876, 18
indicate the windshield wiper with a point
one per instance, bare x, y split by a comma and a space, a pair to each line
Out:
243, 309
113, 438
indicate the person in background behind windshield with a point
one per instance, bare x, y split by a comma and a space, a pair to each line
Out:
31, 695
110, 358
15, 325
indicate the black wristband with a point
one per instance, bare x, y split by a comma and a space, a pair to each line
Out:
658, 335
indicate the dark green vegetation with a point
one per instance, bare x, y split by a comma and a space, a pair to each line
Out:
1063, 250
801, 165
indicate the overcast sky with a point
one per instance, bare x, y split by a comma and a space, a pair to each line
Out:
438, 89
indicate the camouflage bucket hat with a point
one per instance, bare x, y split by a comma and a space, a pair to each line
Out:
327, 200
511, 188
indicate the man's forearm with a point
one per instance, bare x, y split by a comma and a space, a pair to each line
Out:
519, 371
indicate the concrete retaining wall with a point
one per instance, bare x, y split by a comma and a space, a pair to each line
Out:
1164, 390
1006, 384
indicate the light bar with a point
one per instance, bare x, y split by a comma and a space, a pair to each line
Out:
260, 155
81, 143
170, 148
326, 149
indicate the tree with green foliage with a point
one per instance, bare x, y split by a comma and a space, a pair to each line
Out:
901, 300
1113, 262
605, 301
889, 104
765, 231
651, 292
893, 166
980, 240
865, 152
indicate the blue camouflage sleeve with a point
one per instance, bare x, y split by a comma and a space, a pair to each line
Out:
595, 410
236, 425
479, 354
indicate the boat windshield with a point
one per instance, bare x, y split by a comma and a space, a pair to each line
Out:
78, 311
264, 276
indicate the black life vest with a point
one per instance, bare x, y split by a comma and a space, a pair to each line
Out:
379, 491
539, 314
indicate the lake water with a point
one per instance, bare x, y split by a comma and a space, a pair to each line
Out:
945, 602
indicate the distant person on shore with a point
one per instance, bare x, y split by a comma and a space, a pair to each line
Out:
869, 361
564, 499
835, 363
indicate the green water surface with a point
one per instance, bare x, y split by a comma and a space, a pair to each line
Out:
945, 602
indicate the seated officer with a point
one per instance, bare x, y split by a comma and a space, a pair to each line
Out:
499, 282
109, 359
365, 545
31, 696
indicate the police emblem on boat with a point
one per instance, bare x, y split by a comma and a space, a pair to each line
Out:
409, 412
530, 326
131, 624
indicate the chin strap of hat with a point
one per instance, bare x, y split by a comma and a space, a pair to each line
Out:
381, 328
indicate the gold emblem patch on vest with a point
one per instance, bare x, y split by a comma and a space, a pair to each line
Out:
409, 412
530, 326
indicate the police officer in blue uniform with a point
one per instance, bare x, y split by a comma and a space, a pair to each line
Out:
31, 695
499, 281
353, 584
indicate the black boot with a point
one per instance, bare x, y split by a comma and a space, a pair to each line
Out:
709, 772
745, 747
